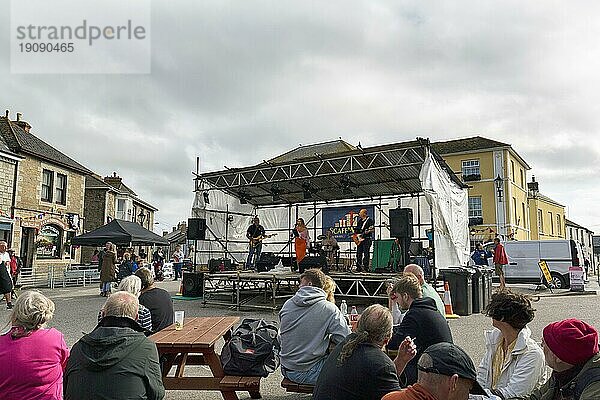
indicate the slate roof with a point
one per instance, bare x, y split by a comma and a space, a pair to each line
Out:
472, 144
123, 188
93, 182
178, 236
331, 147
575, 225
19, 141
4, 147
466, 145
547, 199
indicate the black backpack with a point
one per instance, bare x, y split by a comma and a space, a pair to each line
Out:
253, 349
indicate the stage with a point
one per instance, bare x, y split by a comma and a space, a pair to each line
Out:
262, 290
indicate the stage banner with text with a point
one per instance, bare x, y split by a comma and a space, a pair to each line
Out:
342, 220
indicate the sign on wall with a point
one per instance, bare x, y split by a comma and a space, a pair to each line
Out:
342, 220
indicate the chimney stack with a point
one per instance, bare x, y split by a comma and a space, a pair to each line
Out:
114, 180
7, 113
23, 124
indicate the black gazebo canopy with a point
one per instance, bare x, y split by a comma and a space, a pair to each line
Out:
120, 232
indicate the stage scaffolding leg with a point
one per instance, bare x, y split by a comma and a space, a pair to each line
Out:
237, 293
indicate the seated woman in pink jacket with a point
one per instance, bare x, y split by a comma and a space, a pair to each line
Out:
33, 357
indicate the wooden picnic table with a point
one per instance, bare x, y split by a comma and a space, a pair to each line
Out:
195, 345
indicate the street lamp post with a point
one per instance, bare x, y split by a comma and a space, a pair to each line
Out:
498, 182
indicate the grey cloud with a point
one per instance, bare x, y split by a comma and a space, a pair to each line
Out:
238, 82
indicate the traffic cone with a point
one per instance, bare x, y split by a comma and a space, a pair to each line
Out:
448, 303
180, 293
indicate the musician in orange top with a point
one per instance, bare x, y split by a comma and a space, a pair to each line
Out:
364, 229
301, 240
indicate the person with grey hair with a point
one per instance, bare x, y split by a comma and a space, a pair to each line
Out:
133, 285
358, 368
33, 356
426, 289
6, 283
157, 300
108, 269
116, 360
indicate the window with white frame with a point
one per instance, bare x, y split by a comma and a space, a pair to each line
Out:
540, 221
54, 187
558, 224
470, 167
551, 222
61, 189
121, 209
47, 185
475, 210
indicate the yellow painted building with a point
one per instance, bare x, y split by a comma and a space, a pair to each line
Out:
548, 218
499, 202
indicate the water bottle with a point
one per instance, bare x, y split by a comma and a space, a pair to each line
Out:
344, 308
354, 314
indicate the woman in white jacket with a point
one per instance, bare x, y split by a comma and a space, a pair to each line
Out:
514, 363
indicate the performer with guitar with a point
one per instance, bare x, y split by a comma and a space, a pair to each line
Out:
301, 240
363, 239
255, 233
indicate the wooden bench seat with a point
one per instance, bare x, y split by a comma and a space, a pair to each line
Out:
290, 386
251, 384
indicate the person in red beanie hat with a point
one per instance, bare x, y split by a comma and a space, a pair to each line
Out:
571, 350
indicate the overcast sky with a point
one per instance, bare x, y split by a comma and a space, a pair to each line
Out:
236, 82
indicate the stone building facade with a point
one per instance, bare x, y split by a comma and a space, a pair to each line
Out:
8, 177
109, 198
48, 203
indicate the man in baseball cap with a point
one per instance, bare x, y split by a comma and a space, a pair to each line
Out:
446, 372
571, 350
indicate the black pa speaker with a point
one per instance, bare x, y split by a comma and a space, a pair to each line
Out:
309, 262
219, 264
196, 229
193, 284
401, 225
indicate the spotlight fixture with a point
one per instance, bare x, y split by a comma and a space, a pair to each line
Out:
307, 190
206, 198
345, 183
244, 197
276, 192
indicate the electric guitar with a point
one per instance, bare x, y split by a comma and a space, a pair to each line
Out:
255, 241
358, 238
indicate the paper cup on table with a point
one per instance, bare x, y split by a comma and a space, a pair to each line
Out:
179, 320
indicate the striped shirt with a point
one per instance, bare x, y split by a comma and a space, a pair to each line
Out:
144, 318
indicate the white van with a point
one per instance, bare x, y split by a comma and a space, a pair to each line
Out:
524, 255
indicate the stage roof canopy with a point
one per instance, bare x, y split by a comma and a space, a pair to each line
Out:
328, 171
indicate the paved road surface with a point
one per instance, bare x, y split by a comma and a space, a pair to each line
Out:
77, 308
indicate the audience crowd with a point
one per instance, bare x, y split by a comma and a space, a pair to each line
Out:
401, 352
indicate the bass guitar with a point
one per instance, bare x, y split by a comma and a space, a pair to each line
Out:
255, 241
358, 238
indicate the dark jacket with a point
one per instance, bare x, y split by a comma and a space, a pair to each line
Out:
424, 323
548, 391
125, 269
367, 374
362, 227
114, 361
159, 302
